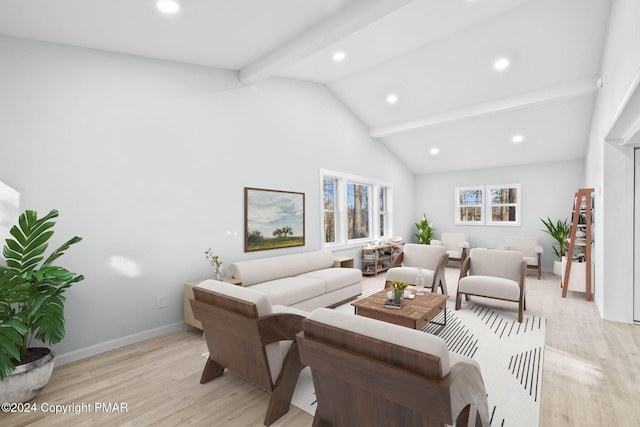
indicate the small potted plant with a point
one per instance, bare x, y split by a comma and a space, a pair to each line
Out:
215, 262
560, 232
32, 301
425, 231
397, 289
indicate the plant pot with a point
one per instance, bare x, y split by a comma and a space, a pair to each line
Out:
26, 382
557, 268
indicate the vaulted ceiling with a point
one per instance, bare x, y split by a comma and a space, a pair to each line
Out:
420, 74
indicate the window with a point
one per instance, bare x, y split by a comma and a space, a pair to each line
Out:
382, 197
469, 205
354, 209
358, 226
503, 204
500, 202
329, 209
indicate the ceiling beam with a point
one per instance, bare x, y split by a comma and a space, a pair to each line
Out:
529, 99
329, 31
625, 127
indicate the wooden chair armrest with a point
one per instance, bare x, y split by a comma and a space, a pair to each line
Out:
438, 274
279, 327
464, 269
397, 262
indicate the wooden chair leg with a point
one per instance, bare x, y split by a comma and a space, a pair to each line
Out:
212, 370
458, 298
285, 385
443, 285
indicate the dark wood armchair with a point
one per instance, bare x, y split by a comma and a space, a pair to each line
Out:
245, 336
365, 374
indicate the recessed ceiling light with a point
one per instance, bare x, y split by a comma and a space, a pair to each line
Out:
517, 139
339, 56
501, 64
434, 150
392, 98
168, 6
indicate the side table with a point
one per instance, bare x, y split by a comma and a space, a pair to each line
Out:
343, 262
188, 295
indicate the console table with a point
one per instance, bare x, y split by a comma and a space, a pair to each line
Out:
188, 295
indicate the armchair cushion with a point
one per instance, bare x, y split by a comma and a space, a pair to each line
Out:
425, 256
528, 245
456, 244
494, 287
496, 263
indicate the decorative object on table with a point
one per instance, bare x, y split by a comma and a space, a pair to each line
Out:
420, 283
273, 219
560, 233
425, 231
32, 301
397, 293
215, 261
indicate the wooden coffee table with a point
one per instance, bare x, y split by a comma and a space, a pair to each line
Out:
415, 313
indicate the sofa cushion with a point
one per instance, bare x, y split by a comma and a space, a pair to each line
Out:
260, 270
490, 286
335, 278
291, 290
454, 254
409, 275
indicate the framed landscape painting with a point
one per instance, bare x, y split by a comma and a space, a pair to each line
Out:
272, 219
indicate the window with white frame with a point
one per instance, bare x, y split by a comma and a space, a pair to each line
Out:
470, 205
329, 209
354, 209
503, 204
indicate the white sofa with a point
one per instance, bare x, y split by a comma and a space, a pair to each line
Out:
304, 280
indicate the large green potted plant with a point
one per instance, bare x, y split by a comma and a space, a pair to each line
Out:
32, 301
560, 232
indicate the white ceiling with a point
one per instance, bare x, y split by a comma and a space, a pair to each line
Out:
435, 55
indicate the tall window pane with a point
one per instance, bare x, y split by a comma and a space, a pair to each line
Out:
358, 210
329, 207
383, 211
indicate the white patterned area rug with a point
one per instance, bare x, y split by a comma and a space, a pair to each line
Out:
510, 355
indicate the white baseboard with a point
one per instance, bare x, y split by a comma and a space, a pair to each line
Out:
82, 353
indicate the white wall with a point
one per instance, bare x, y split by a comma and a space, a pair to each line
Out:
609, 168
547, 191
147, 161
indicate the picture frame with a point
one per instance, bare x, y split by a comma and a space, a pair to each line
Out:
273, 219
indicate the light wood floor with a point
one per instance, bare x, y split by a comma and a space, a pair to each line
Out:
591, 376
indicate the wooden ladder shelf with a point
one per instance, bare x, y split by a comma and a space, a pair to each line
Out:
583, 194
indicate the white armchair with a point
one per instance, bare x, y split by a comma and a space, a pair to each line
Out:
432, 260
457, 245
529, 247
493, 273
